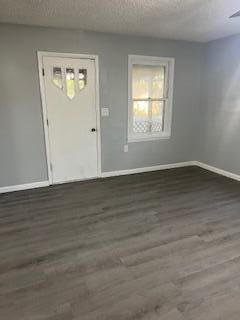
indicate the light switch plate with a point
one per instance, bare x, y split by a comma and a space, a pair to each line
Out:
105, 112
125, 148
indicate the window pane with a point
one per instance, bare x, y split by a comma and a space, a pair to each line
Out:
148, 81
57, 77
141, 122
82, 78
70, 83
157, 116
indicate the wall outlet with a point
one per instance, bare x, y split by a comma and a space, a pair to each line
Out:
105, 112
125, 148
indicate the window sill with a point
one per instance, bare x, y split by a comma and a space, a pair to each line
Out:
151, 138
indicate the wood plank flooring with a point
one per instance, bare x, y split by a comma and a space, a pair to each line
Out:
154, 246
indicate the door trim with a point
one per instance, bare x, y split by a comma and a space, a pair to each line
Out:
40, 56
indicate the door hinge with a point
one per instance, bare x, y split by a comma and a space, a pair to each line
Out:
47, 123
43, 72
51, 167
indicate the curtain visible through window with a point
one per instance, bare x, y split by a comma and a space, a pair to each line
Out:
148, 86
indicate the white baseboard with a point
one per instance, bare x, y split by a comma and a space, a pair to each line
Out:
171, 166
24, 186
217, 170
103, 175
131, 171
147, 169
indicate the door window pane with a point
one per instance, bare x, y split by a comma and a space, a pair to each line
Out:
141, 123
57, 77
157, 116
82, 78
70, 83
148, 81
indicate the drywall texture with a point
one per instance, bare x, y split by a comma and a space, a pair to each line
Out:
23, 158
191, 20
219, 135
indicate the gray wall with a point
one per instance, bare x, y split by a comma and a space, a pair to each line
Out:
219, 134
22, 148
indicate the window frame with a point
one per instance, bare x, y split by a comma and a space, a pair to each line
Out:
168, 63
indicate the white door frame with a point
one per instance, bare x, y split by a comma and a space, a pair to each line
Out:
40, 55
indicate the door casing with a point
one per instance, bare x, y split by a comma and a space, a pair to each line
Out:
40, 55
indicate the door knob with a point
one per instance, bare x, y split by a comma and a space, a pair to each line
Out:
93, 130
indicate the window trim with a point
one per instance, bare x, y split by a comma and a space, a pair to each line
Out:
149, 60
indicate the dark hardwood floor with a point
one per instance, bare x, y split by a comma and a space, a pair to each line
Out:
159, 246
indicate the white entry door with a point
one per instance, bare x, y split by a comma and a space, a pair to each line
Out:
70, 98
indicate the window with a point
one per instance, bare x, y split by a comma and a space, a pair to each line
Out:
82, 78
150, 97
70, 83
75, 80
57, 77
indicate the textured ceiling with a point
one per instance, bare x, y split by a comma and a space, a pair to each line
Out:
197, 20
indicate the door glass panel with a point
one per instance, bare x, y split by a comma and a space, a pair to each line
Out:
141, 123
82, 78
157, 116
70, 83
148, 81
57, 77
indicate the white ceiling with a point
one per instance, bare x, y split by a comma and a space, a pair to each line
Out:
196, 20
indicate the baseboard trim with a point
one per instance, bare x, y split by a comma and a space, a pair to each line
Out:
147, 169
217, 170
131, 171
25, 186
102, 175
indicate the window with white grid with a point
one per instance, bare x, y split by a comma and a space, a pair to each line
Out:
150, 97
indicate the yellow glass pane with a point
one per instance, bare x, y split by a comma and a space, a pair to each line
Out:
70, 83
148, 81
